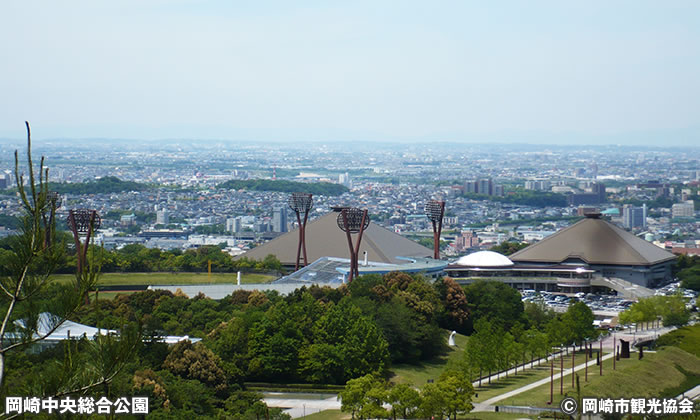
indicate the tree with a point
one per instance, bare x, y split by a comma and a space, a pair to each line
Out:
404, 400
538, 314
481, 354
459, 391
494, 301
456, 309
194, 361
578, 323
690, 275
508, 248
29, 301
359, 397
447, 397
507, 352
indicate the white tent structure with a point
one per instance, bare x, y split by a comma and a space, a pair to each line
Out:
69, 330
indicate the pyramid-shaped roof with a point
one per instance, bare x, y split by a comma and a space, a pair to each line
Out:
325, 239
595, 241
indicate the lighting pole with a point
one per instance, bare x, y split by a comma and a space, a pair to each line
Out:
83, 222
301, 203
573, 357
586, 365
435, 210
353, 220
551, 381
561, 368
600, 356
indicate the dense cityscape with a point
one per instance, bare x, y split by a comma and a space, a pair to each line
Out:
517, 192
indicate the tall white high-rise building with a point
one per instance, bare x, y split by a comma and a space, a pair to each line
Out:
233, 225
684, 209
279, 219
344, 179
162, 217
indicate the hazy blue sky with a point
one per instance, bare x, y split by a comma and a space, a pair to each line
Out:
512, 71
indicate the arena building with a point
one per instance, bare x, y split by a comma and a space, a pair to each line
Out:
592, 252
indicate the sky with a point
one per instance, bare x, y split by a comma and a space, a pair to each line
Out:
552, 72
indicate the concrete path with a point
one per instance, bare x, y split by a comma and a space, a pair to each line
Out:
693, 394
488, 404
297, 407
607, 345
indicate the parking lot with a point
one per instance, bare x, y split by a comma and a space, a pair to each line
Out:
599, 302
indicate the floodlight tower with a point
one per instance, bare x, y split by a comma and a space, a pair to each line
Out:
353, 220
435, 210
301, 203
83, 222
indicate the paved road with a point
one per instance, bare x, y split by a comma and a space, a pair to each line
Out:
632, 336
297, 407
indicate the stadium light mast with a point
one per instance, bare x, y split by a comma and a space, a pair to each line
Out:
353, 220
435, 210
301, 203
83, 222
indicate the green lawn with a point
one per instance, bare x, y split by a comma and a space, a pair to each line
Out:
419, 374
494, 416
328, 415
530, 375
339, 415
657, 375
134, 279
686, 338
110, 295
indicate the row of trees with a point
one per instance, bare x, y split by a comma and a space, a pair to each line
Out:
492, 347
670, 309
365, 398
136, 258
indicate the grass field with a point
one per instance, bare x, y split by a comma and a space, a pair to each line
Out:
137, 279
339, 415
419, 374
111, 294
656, 375
533, 374
686, 338
328, 415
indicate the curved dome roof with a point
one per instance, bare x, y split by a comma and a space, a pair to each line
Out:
485, 259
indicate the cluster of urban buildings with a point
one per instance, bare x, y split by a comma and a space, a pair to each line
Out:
183, 206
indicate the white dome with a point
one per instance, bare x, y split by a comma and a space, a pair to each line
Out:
485, 259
